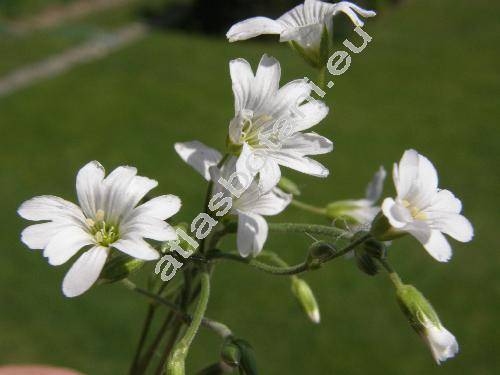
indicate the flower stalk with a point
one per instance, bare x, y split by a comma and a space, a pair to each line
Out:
176, 361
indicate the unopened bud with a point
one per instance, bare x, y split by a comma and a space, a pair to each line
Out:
306, 299
375, 248
288, 186
318, 252
230, 353
366, 263
248, 364
425, 321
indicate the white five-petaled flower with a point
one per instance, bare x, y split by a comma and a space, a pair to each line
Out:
250, 206
266, 129
423, 210
442, 343
106, 218
304, 24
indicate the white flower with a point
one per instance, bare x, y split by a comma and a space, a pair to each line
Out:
249, 207
361, 211
423, 210
303, 24
266, 129
441, 342
106, 218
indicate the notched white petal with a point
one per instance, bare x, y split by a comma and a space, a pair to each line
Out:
85, 271
198, 156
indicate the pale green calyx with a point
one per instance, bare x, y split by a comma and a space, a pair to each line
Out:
417, 308
306, 299
288, 186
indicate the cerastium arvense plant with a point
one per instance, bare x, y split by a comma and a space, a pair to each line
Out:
267, 135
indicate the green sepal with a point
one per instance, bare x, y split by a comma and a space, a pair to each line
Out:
324, 47
416, 307
382, 230
318, 252
288, 186
366, 263
340, 210
230, 353
232, 148
309, 57
119, 267
248, 364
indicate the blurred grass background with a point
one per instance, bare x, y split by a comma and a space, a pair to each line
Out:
429, 80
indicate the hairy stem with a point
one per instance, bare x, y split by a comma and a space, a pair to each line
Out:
283, 269
176, 361
309, 228
218, 327
144, 333
393, 275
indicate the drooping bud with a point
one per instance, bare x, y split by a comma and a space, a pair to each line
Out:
318, 252
119, 267
366, 263
425, 321
306, 299
248, 364
230, 353
288, 186
375, 248
383, 231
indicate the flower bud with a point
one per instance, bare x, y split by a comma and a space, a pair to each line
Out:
383, 231
119, 267
375, 248
366, 263
230, 353
288, 186
319, 251
425, 321
306, 299
248, 365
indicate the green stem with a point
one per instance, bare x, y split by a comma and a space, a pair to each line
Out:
393, 275
218, 327
144, 333
308, 207
348, 248
284, 269
309, 228
176, 362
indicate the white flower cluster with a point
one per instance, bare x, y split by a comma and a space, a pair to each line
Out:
269, 130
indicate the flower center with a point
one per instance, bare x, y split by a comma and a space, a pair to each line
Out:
103, 232
252, 129
415, 212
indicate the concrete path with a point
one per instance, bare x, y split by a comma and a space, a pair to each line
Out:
94, 49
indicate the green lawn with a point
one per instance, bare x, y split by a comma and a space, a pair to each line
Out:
429, 80
21, 48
